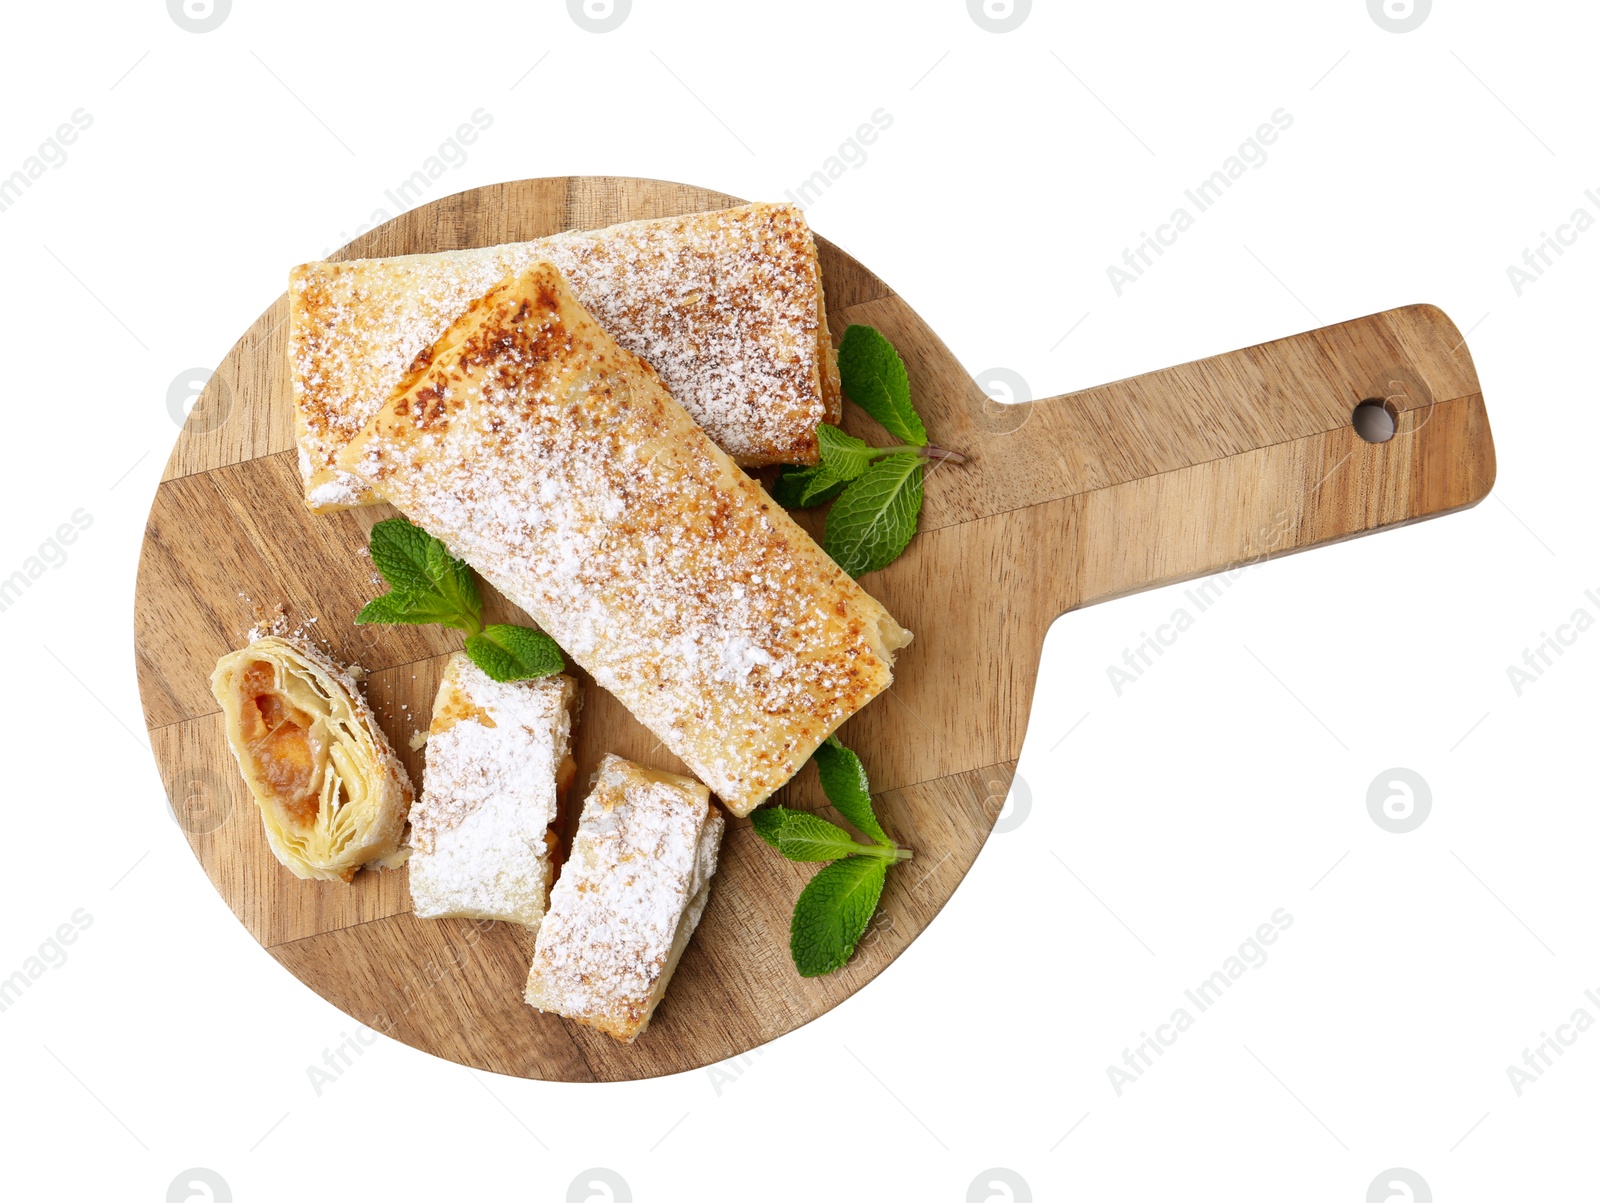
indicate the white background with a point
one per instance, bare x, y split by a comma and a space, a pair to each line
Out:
1230, 781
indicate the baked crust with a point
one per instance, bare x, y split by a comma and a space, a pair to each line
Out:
333, 796
498, 761
555, 463
627, 900
727, 306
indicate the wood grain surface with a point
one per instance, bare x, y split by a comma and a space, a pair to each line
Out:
1067, 501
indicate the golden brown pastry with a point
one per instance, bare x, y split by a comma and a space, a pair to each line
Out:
332, 794
499, 763
555, 463
727, 307
628, 898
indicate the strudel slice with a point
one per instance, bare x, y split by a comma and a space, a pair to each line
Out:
628, 898
555, 463
333, 795
498, 765
726, 306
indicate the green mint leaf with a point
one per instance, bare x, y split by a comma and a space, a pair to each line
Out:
844, 456
832, 913
509, 653
799, 488
806, 837
400, 551
391, 607
844, 780
418, 566
876, 515
801, 835
769, 820
413, 608
874, 377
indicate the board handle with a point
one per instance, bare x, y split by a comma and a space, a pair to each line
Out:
1210, 465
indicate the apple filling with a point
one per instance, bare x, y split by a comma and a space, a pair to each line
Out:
279, 740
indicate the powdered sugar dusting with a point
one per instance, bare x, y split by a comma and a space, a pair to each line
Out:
556, 464
726, 306
628, 898
489, 795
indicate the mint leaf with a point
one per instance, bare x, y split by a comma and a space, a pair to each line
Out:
832, 913
800, 488
414, 608
844, 780
806, 837
876, 515
843, 455
400, 552
769, 820
803, 836
874, 377
427, 582
509, 653
391, 607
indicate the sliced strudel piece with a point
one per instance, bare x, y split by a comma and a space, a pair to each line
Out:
627, 900
727, 306
499, 763
333, 795
555, 463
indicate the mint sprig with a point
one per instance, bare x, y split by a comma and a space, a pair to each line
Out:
429, 585
834, 909
874, 377
833, 912
844, 780
876, 515
800, 488
878, 489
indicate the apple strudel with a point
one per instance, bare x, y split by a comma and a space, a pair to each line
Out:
498, 765
727, 306
556, 464
333, 796
628, 898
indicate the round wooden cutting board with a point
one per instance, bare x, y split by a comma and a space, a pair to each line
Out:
1172, 475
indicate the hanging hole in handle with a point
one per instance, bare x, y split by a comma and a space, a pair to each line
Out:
1374, 420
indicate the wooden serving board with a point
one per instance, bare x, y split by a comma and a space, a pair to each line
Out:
1067, 501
